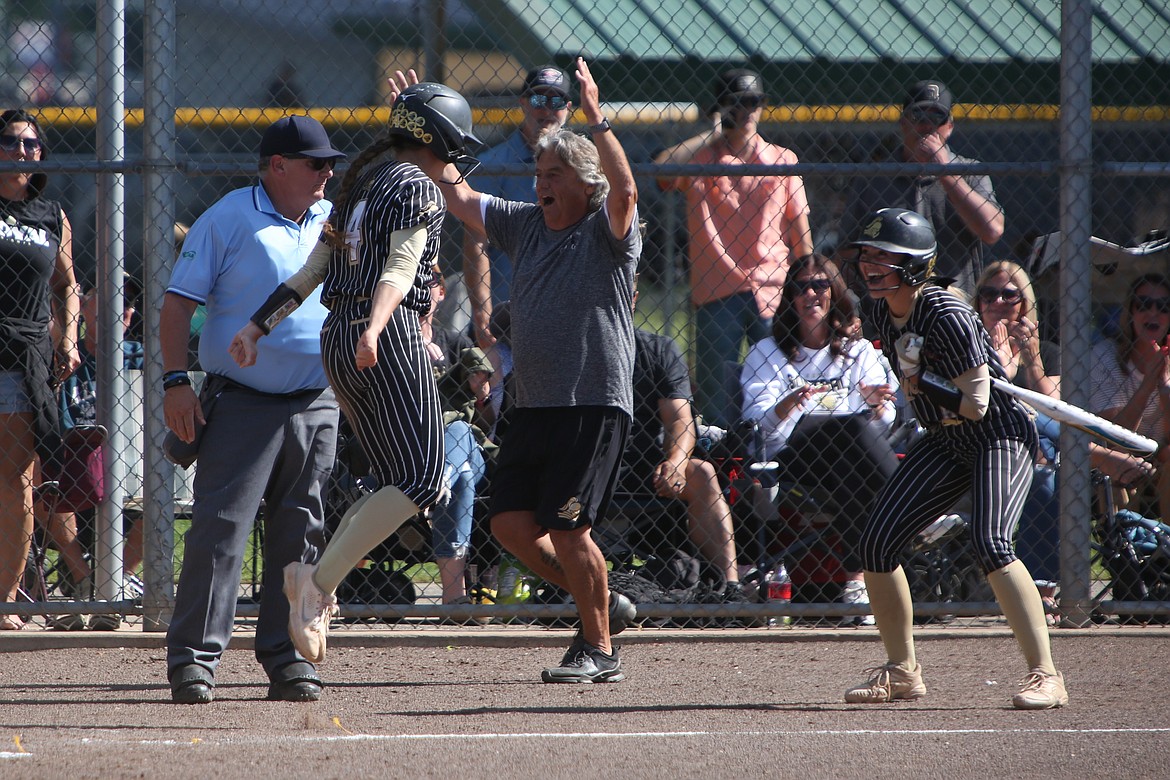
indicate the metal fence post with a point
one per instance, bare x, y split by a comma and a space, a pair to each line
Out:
1076, 158
110, 145
158, 251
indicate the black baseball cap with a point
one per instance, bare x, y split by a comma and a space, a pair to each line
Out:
299, 134
931, 93
738, 83
547, 77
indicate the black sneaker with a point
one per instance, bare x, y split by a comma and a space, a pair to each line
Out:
577, 645
734, 593
587, 665
622, 613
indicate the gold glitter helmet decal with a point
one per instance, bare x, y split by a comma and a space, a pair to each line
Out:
901, 232
439, 118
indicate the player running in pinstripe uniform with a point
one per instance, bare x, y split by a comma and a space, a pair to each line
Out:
382, 241
574, 254
977, 439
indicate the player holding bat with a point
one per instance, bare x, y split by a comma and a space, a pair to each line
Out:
977, 438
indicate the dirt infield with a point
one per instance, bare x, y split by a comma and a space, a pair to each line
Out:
470, 704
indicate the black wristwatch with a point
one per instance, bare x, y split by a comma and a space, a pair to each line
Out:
601, 127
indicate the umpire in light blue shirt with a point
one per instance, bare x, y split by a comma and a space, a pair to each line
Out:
267, 432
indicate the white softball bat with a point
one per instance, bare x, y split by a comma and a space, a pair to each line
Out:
1063, 412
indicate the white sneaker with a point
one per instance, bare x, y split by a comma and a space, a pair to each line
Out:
888, 682
854, 592
1041, 691
309, 611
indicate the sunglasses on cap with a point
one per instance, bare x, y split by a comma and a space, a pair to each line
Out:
993, 294
1151, 303
10, 143
932, 115
551, 102
801, 286
316, 163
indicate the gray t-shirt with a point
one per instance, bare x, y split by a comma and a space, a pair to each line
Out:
961, 254
572, 326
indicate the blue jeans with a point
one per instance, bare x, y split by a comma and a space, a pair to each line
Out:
1038, 540
720, 329
451, 523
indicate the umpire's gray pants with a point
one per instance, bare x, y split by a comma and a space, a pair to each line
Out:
255, 447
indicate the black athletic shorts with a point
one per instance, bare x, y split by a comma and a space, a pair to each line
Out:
561, 463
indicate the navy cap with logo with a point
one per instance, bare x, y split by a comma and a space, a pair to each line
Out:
548, 77
738, 83
300, 135
928, 94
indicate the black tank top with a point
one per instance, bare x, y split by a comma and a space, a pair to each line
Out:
30, 237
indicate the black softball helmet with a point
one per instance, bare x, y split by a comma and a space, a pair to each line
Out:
439, 118
901, 232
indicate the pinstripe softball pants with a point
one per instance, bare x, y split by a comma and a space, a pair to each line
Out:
393, 406
935, 474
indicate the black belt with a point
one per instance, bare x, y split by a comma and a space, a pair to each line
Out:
232, 385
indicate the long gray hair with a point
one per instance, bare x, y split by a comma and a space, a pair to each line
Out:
579, 153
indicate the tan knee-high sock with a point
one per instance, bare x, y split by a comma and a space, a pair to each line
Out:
1021, 604
889, 598
349, 513
378, 515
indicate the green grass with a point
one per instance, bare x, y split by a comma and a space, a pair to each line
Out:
668, 312
253, 569
253, 556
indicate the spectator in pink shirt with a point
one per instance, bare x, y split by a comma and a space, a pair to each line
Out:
745, 232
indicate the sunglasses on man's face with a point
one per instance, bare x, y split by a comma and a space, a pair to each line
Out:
1151, 303
801, 286
551, 102
927, 115
316, 163
10, 143
1005, 294
751, 103
436, 279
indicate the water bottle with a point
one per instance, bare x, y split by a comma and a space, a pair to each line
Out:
778, 587
513, 582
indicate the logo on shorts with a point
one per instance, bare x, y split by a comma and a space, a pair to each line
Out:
571, 510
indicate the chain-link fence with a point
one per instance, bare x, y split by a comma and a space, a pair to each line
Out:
1022, 147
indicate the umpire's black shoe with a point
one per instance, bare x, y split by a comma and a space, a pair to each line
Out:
296, 681
587, 665
192, 684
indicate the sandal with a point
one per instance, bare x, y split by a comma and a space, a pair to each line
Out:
11, 623
192, 684
296, 681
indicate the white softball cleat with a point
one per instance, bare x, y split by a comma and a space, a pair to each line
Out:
309, 611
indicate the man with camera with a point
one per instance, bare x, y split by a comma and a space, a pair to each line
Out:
745, 231
962, 208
